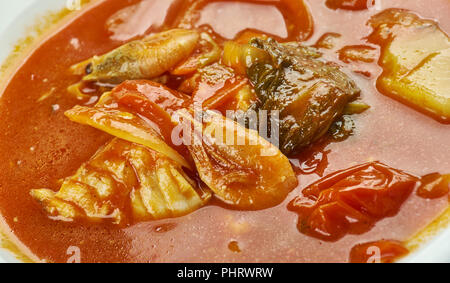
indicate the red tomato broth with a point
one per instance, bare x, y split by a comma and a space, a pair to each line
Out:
413, 144
206, 14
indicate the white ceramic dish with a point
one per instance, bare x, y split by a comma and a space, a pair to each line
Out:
17, 16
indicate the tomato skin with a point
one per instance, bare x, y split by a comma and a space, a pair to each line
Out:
313, 159
156, 103
351, 201
165, 98
354, 5
384, 251
434, 186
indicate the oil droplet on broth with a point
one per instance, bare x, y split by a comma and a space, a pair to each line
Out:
163, 228
234, 247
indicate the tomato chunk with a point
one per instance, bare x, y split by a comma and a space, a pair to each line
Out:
156, 103
384, 251
434, 186
167, 99
352, 201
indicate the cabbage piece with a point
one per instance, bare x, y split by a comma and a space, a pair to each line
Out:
309, 94
238, 165
124, 182
415, 56
123, 125
141, 59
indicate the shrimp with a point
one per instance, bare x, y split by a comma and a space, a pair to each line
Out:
243, 169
